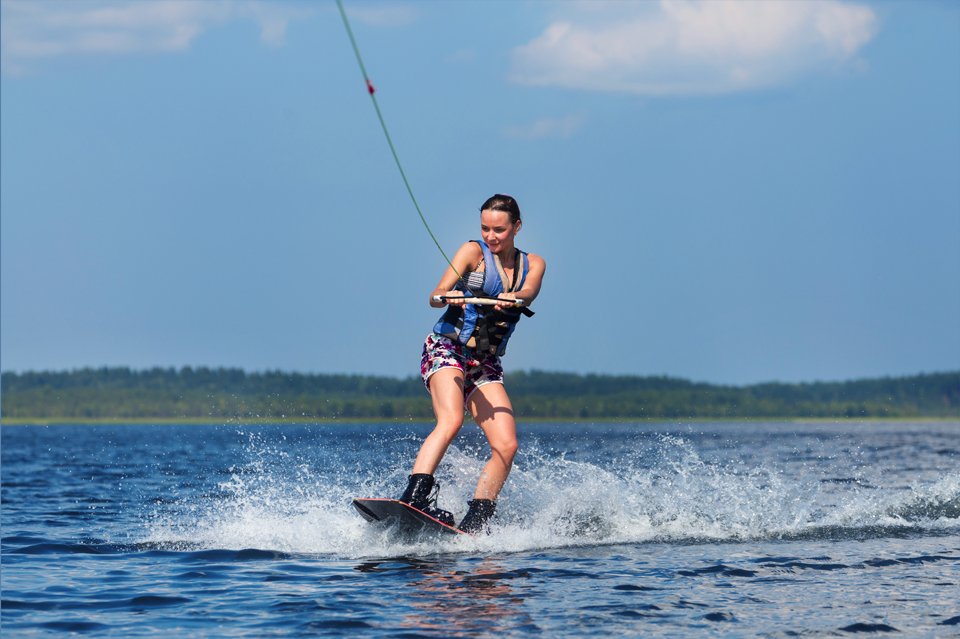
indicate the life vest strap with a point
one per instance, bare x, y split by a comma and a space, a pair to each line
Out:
478, 326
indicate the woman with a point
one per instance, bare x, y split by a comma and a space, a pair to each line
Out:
461, 358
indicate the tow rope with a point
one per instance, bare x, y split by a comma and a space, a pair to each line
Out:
372, 91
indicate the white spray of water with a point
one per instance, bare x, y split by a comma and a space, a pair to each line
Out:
280, 503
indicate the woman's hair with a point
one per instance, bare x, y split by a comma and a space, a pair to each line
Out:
505, 203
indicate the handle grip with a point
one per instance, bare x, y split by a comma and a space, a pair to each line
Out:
485, 301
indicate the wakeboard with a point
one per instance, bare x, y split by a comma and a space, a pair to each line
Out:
408, 519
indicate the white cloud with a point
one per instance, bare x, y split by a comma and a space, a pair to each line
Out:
547, 128
31, 30
692, 46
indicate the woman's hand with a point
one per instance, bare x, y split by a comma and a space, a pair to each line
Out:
505, 296
442, 297
454, 294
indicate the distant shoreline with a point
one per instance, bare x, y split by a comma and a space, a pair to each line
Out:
416, 420
121, 395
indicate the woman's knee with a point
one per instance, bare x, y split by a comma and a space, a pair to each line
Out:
448, 428
505, 448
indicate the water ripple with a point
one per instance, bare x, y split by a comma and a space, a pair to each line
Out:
750, 529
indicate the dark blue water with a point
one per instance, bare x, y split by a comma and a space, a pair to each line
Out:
630, 529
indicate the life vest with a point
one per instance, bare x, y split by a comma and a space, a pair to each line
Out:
481, 327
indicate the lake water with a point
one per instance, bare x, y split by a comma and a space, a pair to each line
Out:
684, 529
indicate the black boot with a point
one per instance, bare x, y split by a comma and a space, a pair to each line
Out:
417, 495
475, 521
418, 491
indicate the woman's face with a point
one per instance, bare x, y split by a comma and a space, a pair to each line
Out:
496, 229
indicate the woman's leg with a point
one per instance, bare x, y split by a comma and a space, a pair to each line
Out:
446, 389
492, 411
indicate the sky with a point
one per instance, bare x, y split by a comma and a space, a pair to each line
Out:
731, 192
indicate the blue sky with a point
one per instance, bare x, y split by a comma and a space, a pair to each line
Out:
732, 192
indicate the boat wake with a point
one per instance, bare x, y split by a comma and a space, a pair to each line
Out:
664, 493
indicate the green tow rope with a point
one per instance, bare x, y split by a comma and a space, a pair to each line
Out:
383, 124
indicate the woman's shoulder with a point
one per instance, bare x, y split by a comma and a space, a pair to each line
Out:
468, 256
535, 260
471, 249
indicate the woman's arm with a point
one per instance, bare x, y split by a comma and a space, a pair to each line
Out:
466, 260
531, 285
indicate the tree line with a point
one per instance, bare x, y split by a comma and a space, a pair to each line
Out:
164, 393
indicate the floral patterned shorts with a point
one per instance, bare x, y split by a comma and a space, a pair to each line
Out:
442, 352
